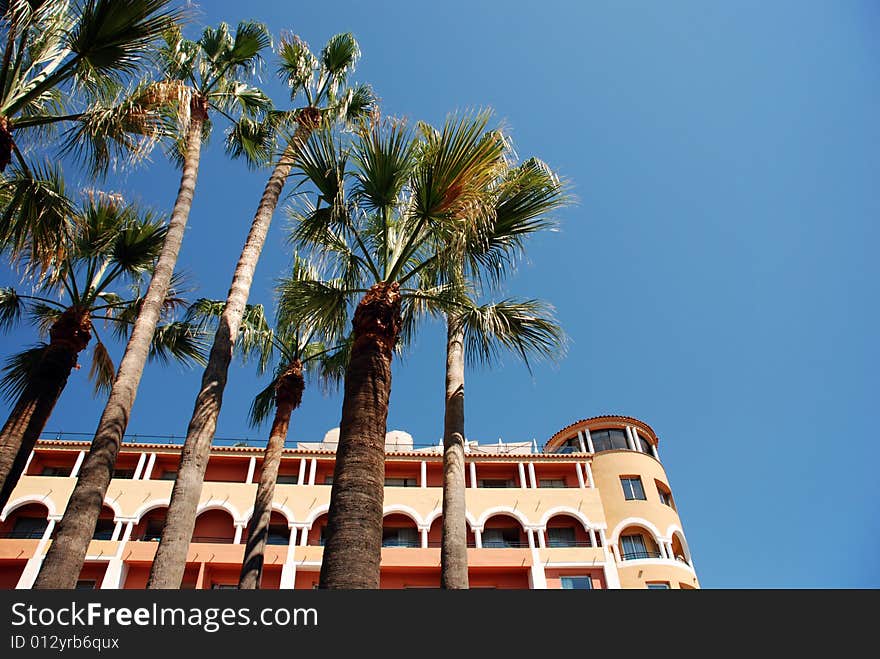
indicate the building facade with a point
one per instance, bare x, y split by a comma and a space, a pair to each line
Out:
592, 509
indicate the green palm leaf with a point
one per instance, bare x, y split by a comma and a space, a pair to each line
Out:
18, 371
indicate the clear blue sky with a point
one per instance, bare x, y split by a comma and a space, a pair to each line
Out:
717, 277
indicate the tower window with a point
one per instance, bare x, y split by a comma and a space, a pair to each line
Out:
632, 488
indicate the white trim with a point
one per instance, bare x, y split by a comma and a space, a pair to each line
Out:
580, 475
589, 470
635, 521
533, 482
301, 479
147, 507
313, 468
117, 529
218, 504
522, 476
399, 508
589, 439
473, 470
424, 533
566, 510
239, 531
277, 507
670, 533
252, 465
140, 466
43, 500
657, 561
542, 539
149, 470
423, 474
115, 507
27, 463
315, 514
630, 442
438, 512
581, 442
76, 465
500, 510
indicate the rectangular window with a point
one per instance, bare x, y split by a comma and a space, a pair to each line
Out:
551, 482
561, 537
665, 497
633, 547
56, 471
168, 475
104, 529
401, 482
123, 473
632, 488
86, 584
400, 537
501, 538
658, 585
495, 482
153, 532
278, 535
577, 583
29, 527
287, 479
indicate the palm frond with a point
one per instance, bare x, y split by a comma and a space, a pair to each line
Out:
322, 304
263, 405
19, 370
102, 371
44, 316
11, 308
253, 140
527, 328
179, 341
297, 64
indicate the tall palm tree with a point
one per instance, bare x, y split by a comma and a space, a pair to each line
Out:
377, 224
297, 350
521, 199
62, 64
207, 76
113, 246
321, 84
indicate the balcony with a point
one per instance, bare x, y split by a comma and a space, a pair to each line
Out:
641, 554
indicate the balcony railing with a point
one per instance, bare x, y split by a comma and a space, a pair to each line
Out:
401, 543
635, 555
35, 534
554, 544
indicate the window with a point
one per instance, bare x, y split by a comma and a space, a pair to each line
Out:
570, 445
323, 538
633, 547
56, 471
551, 482
501, 538
104, 529
665, 496
287, 479
86, 584
644, 444
577, 583
278, 535
632, 488
328, 480
123, 473
401, 482
496, 482
608, 439
153, 532
400, 537
658, 585
29, 527
561, 537
168, 475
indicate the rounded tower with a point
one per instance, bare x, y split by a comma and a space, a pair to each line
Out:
644, 533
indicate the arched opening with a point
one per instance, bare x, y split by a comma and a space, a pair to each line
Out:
502, 531
279, 531
564, 530
679, 552
105, 525
26, 522
149, 528
318, 533
637, 543
215, 525
399, 530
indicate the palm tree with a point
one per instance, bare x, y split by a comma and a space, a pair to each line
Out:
205, 76
112, 245
521, 199
321, 84
63, 64
377, 226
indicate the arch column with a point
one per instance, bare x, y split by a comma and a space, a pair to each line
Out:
32, 567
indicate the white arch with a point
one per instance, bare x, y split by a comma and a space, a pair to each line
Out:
635, 521
400, 508
277, 507
147, 507
315, 514
218, 504
43, 500
498, 510
566, 510
438, 512
674, 530
115, 507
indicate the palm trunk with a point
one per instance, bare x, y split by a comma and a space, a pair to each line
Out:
352, 552
6, 141
64, 561
170, 562
68, 337
453, 554
288, 395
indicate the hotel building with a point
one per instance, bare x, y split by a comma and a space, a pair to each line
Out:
592, 508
